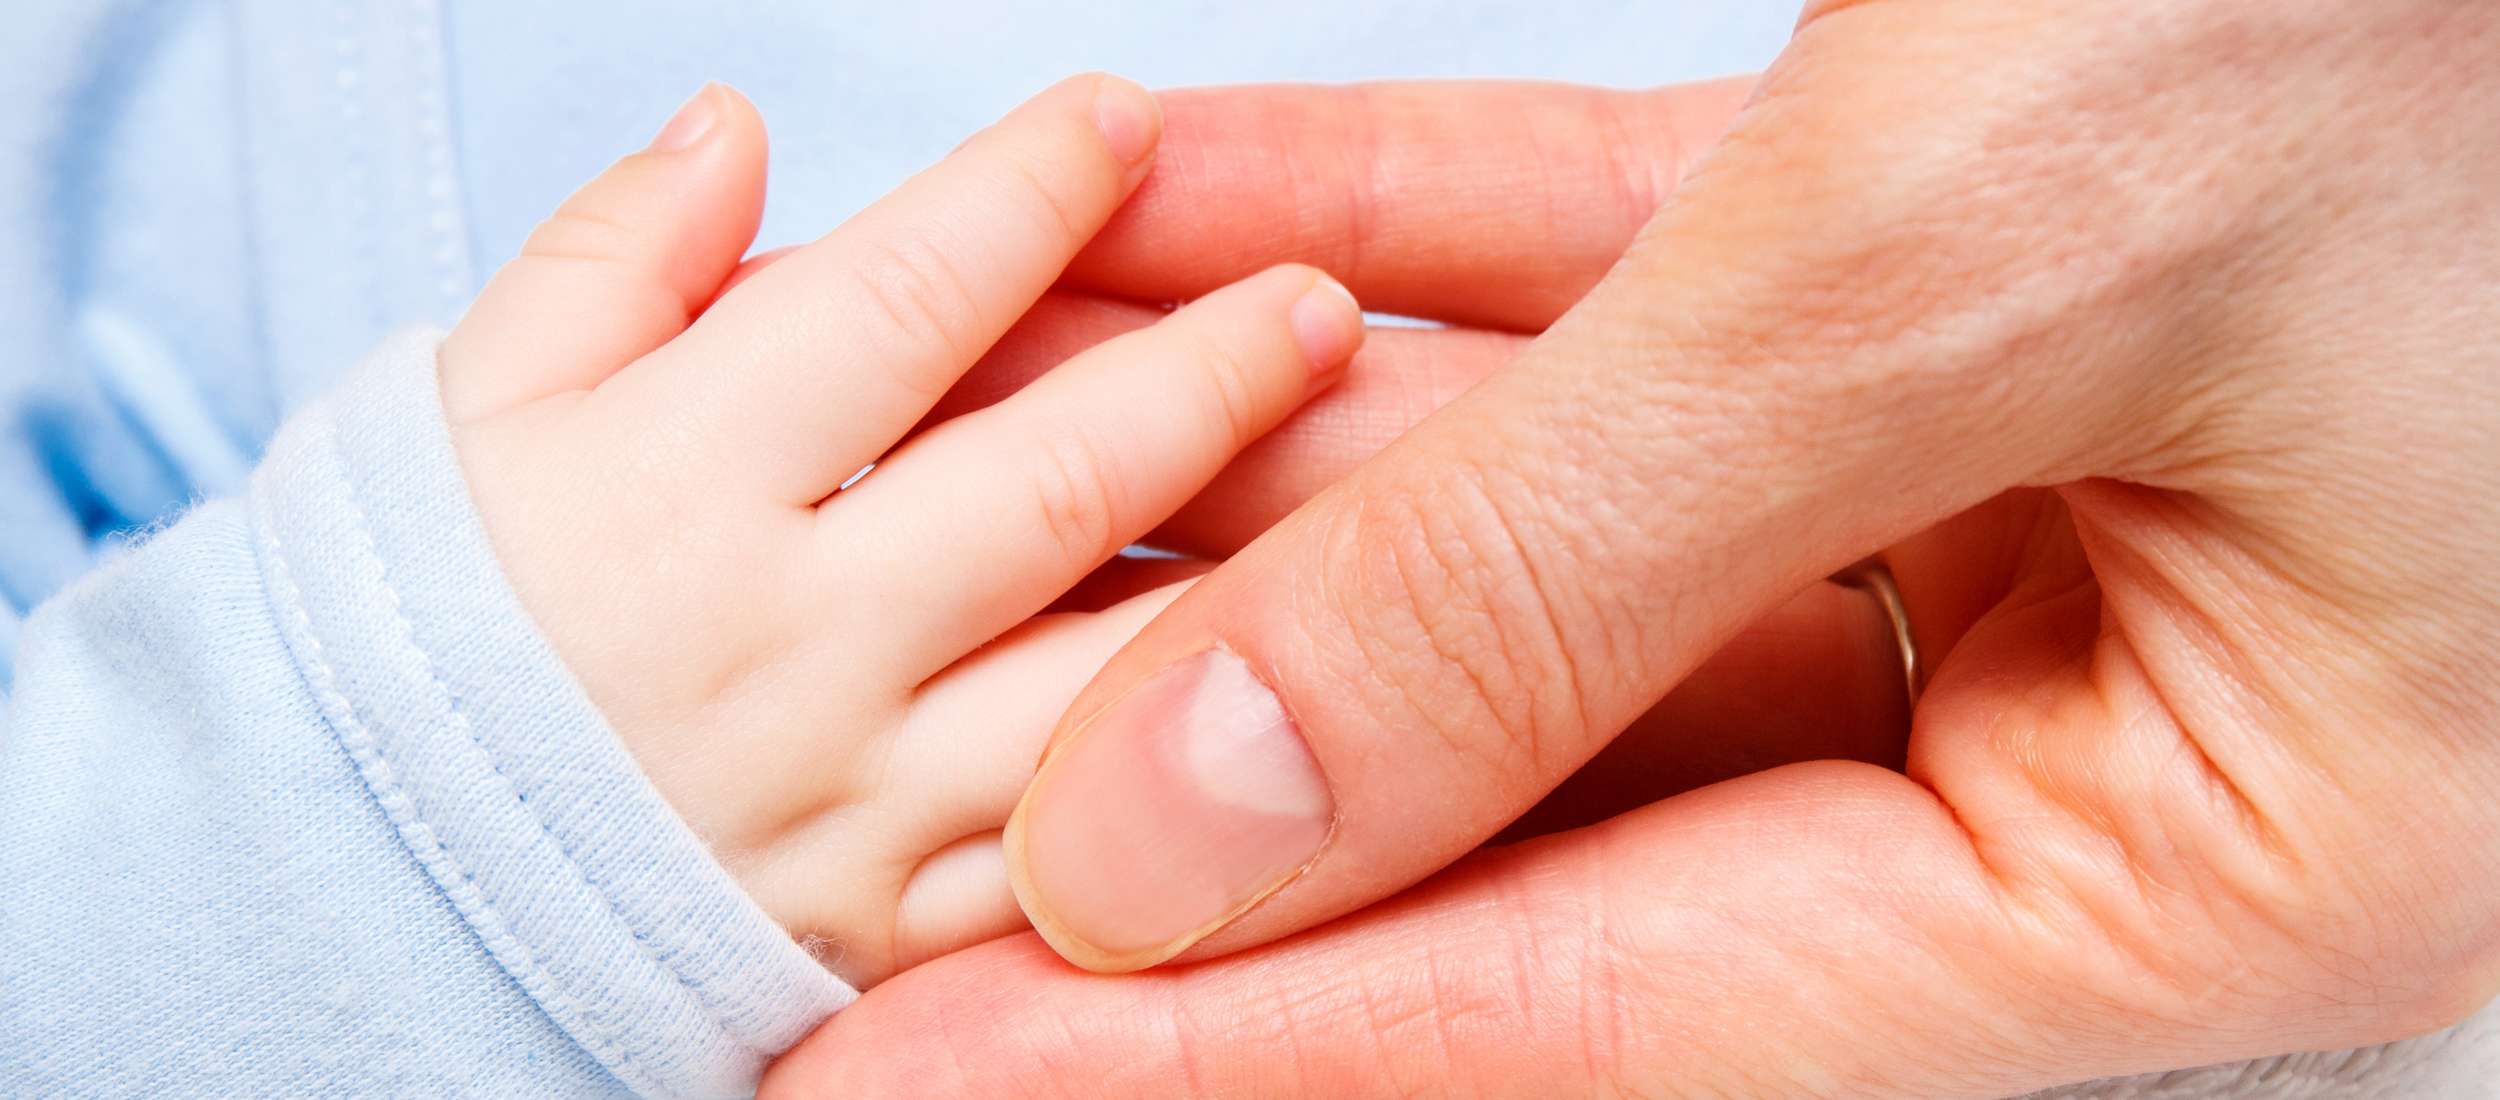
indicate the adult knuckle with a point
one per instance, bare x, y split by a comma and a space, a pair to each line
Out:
1472, 633
1632, 172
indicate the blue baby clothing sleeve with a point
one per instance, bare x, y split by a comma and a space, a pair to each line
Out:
294, 798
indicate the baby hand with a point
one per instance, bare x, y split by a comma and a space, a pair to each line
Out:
844, 689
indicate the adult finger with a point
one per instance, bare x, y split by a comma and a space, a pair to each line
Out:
1489, 203
1824, 929
1427, 648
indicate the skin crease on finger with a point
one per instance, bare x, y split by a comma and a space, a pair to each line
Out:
1399, 376
2210, 778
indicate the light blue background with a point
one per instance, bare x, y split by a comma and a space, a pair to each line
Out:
210, 207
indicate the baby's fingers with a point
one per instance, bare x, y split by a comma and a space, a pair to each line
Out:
620, 267
820, 362
990, 516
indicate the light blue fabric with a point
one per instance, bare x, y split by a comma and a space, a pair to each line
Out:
293, 798
294, 793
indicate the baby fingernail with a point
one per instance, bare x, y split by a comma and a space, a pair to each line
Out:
1327, 325
1167, 815
690, 123
1129, 118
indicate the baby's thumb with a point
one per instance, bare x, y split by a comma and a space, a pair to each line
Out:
620, 268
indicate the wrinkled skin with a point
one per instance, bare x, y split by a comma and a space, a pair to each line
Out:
2154, 345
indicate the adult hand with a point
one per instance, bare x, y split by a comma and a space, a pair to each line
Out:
2177, 322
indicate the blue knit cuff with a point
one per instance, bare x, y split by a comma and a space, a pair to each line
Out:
500, 777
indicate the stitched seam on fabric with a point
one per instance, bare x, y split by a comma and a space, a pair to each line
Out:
352, 80
450, 254
450, 707
382, 782
255, 278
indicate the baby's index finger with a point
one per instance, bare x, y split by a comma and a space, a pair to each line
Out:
808, 371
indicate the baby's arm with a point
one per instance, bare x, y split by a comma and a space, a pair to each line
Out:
300, 796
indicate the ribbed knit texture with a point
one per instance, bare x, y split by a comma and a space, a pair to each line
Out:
294, 799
